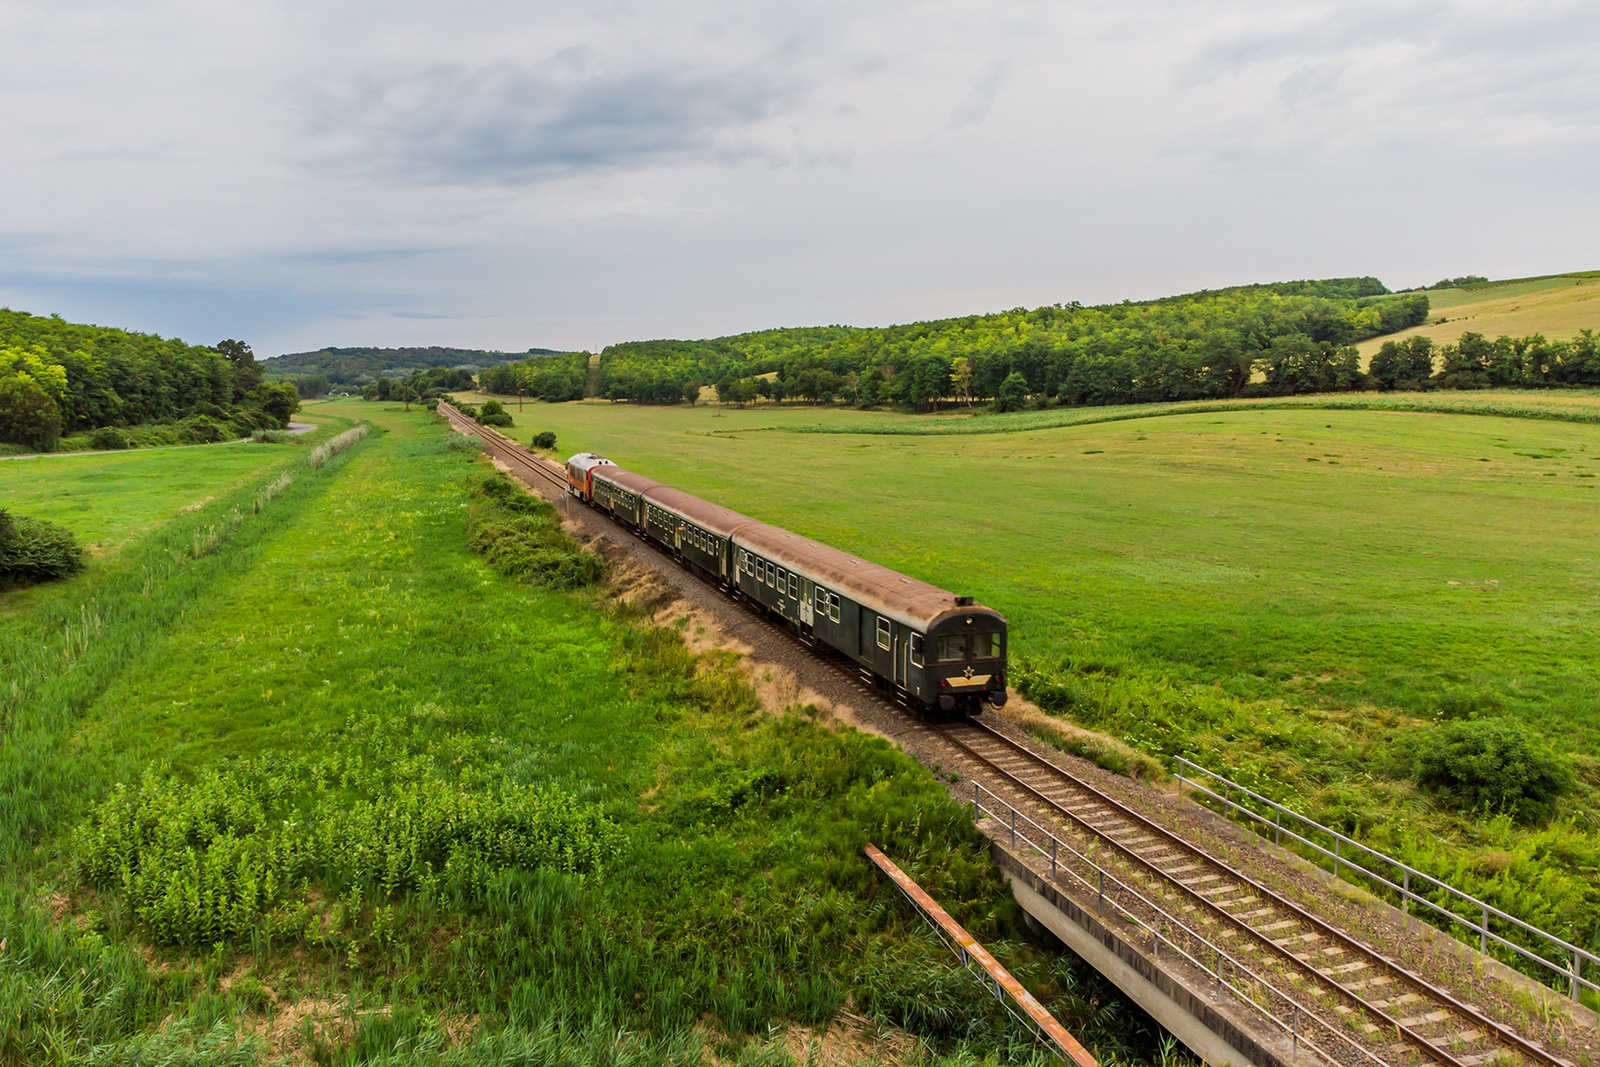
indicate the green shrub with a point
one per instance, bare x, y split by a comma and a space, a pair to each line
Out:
502, 420
463, 442
107, 438
33, 550
272, 437
203, 430
492, 407
468, 410
521, 537
1497, 765
545, 439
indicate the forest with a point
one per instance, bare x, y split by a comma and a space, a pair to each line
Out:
1196, 346
362, 366
106, 388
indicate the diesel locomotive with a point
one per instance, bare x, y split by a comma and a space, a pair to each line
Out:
931, 647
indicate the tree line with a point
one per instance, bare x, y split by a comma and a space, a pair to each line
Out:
1196, 346
64, 379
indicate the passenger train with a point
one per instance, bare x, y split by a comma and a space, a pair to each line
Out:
931, 647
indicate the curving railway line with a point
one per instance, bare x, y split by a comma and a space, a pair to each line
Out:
1336, 998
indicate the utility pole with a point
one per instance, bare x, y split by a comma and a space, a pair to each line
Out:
519, 398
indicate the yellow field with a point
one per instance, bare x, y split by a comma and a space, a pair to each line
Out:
1557, 307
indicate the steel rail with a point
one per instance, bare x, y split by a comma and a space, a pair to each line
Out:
1576, 956
1219, 955
525, 457
1508, 1037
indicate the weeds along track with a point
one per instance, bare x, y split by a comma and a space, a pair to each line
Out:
1344, 999
1346, 1003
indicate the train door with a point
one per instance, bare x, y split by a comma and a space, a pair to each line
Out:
899, 658
807, 611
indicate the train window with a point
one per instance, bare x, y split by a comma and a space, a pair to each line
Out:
794, 585
771, 573
985, 646
883, 632
916, 650
819, 600
833, 606
952, 647
782, 579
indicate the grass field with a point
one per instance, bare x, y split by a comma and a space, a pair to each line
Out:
1557, 307
1282, 590
340, 671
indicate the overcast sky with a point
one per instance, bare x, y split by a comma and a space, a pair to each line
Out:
507, 175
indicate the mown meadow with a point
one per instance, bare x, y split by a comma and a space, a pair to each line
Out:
1311, 594
356, 767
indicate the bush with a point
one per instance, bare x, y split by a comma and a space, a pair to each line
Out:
1495, 764
272, 437
33, 550
203, 430
545, 439
108, 438
500, 419
463, 442
493, 407
521, 537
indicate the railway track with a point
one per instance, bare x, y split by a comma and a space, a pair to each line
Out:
1286, 959
1345, 1001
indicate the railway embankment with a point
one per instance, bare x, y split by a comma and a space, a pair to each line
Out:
1245, 952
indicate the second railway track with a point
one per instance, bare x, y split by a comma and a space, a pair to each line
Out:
1369, 1009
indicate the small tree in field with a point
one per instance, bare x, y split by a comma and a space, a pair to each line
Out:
691, 391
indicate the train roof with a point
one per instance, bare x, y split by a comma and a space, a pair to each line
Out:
633, 483
714, 517
915, 603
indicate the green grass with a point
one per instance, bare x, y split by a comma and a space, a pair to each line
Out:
1279, 589
342, 651
1557, 306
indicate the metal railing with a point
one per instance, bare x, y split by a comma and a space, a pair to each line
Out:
1226, 972
1347, 854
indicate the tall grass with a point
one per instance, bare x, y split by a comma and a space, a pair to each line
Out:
334, 445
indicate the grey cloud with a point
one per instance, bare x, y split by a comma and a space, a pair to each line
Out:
980, 97
512, 123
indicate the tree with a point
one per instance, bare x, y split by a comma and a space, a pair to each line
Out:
1404, 364
246, 371
28, 414
961, 379
1013, 392
278, 399
691, 391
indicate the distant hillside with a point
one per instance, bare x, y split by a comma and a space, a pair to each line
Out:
358, 366
1558, 306
1188, 347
